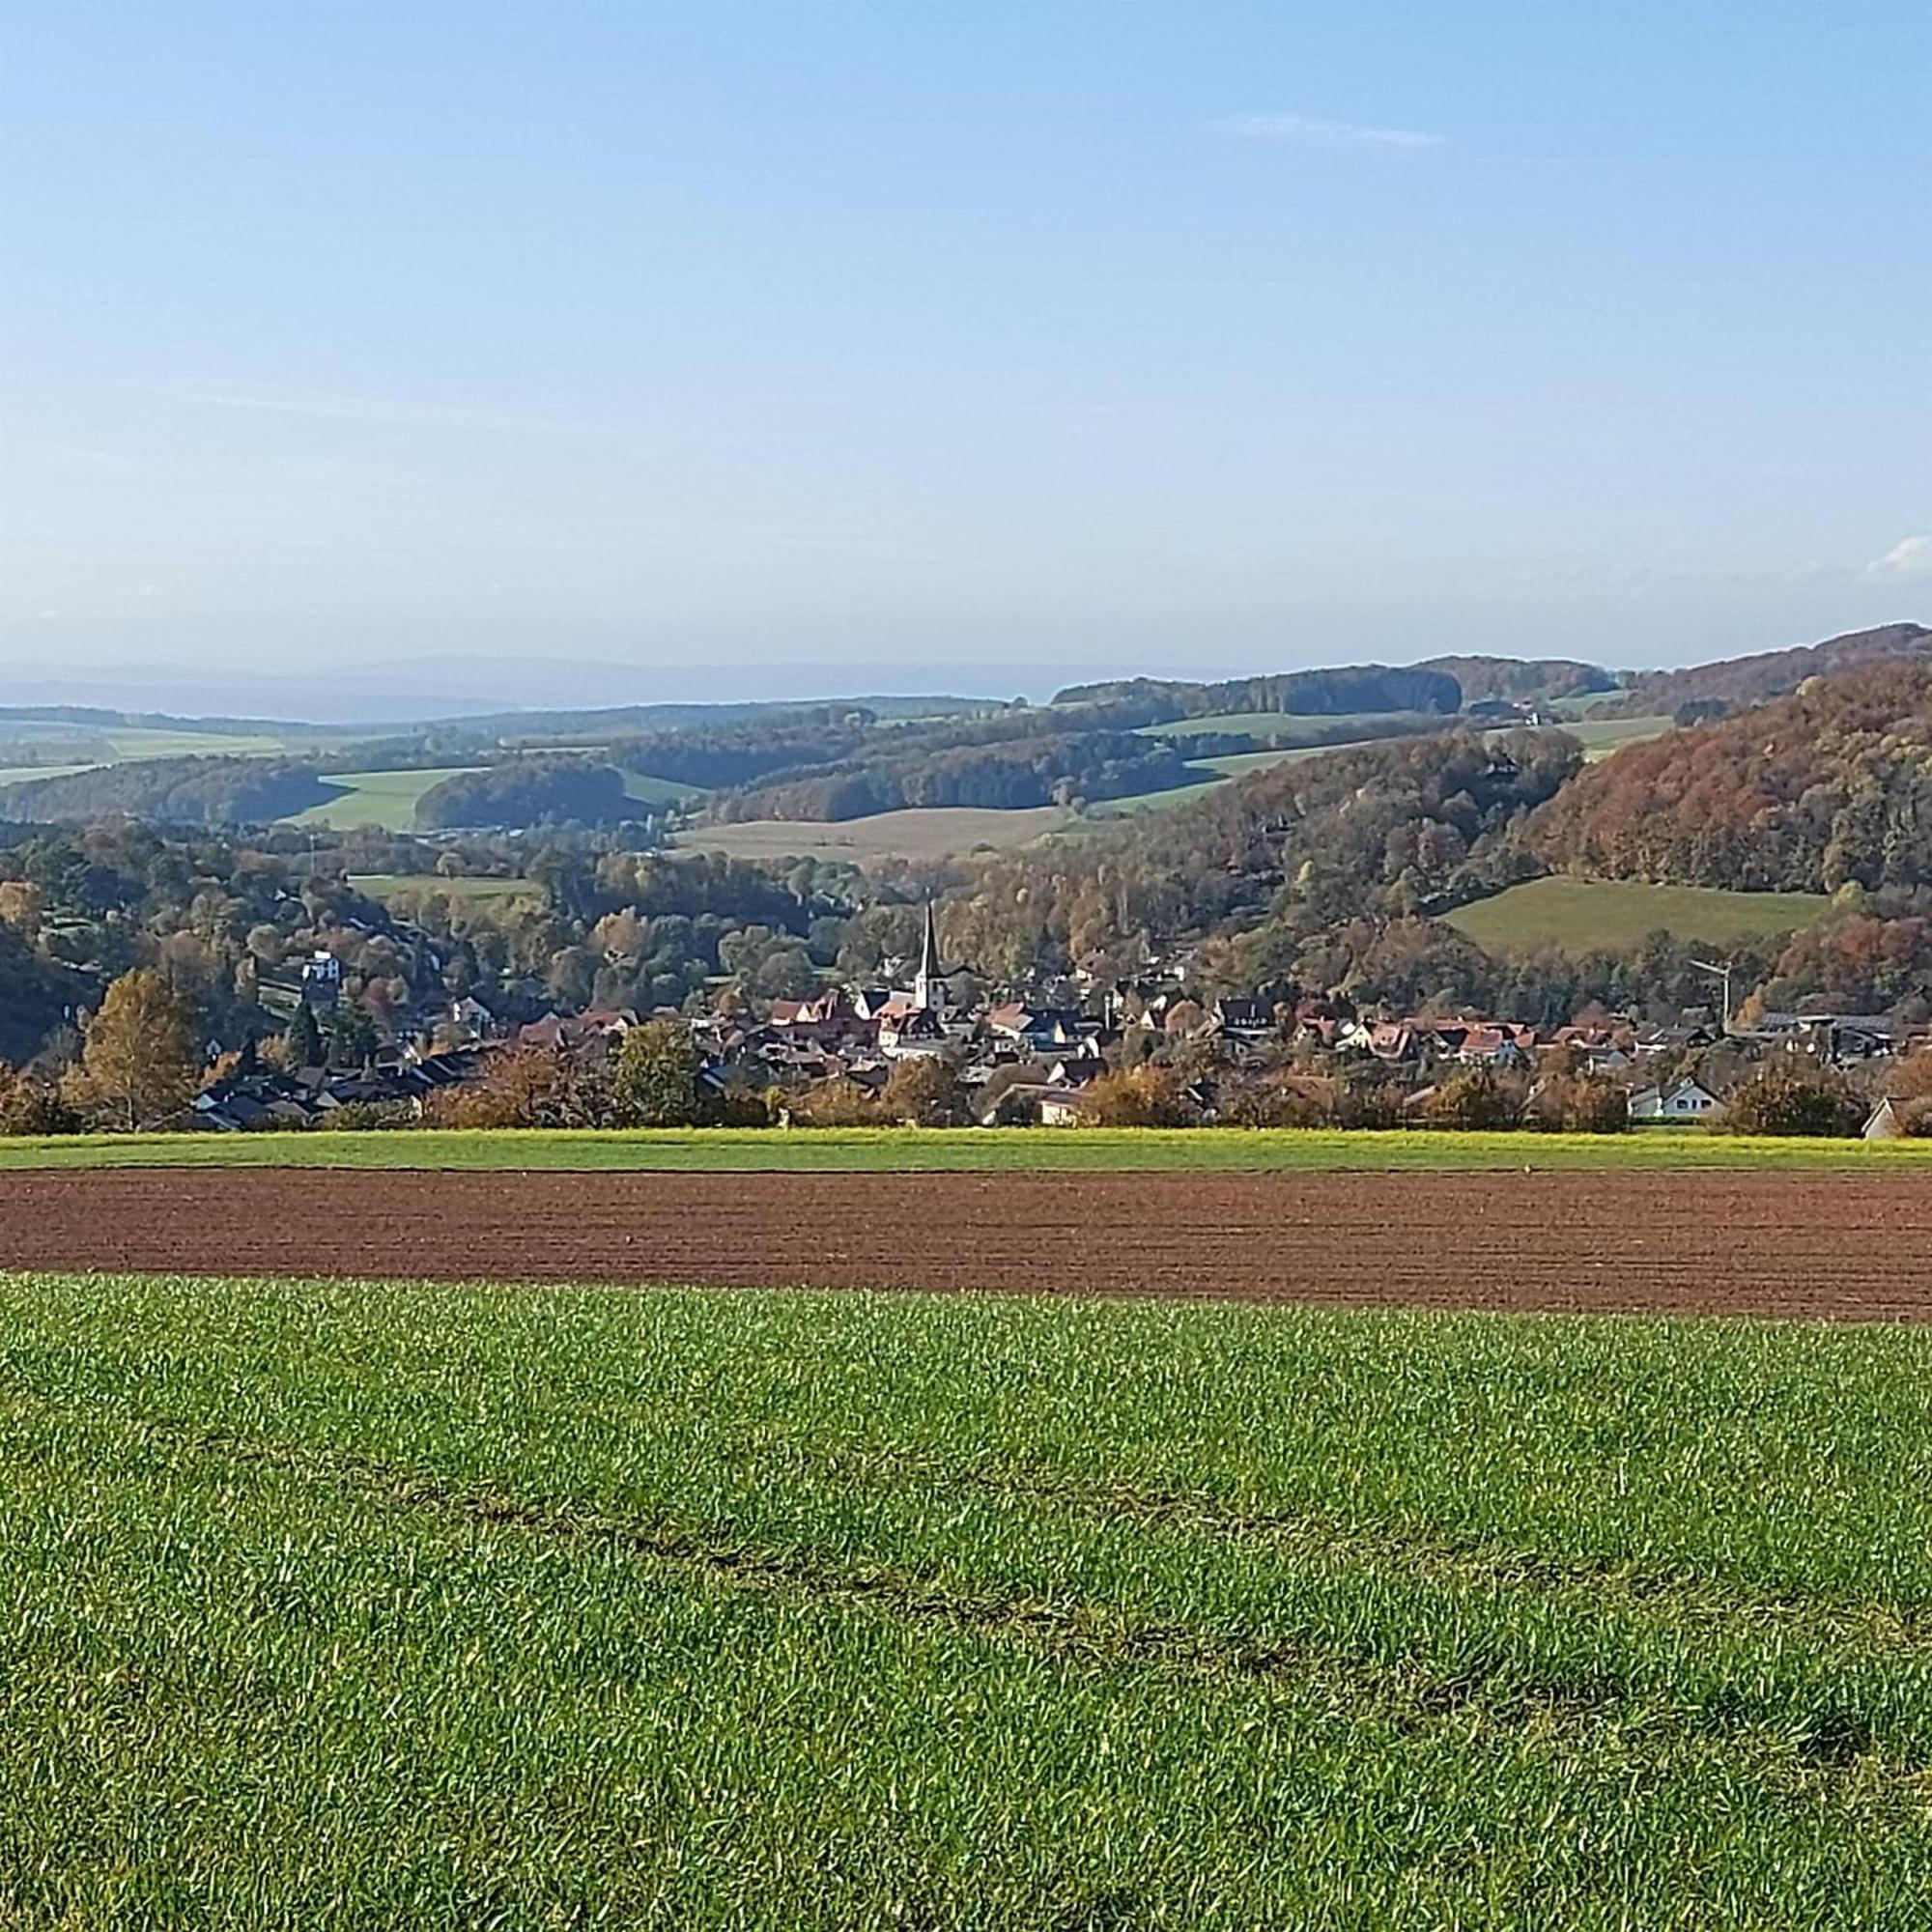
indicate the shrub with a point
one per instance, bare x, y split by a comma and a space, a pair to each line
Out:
1371, 1106
1476, 1099
1291, 1102
535, 1087
923, 1092
1579, 1103
1786, 1097
29, 1106
354, 1116
1910, 1092
833, 1104
1147, 1096
739, 1105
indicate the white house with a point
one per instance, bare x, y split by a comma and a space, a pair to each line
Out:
1686, 1101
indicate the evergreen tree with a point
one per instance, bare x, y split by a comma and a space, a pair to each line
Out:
305, 1049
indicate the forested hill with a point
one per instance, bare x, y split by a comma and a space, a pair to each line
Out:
1828, 787
1391, 829
1733, 683
1521, 680
1302, 694
207, 791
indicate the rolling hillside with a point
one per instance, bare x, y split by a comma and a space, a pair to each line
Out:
1580, 916
1736, 682
1828, 787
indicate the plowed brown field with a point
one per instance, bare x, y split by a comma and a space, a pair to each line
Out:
1848, 1247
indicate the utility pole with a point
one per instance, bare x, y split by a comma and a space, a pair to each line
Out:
1722, 973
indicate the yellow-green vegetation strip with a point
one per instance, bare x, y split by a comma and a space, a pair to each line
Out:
1579, 914
347, 1604
941, 1149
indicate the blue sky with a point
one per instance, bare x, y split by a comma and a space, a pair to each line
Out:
626, 351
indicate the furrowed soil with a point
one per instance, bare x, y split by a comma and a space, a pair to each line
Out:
1842, 1246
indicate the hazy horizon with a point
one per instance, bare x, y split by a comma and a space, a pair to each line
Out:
400, 360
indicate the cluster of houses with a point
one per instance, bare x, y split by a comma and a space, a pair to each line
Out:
1019, 1063
251, 1097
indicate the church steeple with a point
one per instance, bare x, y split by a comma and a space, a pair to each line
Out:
928, 962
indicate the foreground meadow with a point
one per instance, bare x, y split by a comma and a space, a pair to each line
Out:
353, 1605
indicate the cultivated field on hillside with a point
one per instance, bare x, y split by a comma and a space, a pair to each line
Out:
972, 1150
1579, 916
930, 833
386, 800
135, 743
342, 1607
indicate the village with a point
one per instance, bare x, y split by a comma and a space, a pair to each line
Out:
1273, 1058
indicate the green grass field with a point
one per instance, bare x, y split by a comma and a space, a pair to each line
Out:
1601, 737
336, 1607
1580, 916
924, 833
1110, 810
648, 791
386, 800
964, 1150
386, 886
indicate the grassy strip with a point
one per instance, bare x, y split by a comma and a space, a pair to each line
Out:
894, 1150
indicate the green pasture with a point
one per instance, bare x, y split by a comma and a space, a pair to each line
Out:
335, 1607
386, 800
966, 1150
648, 791
1600, 737
1579, 914
922, 832
1133, 803
386, 886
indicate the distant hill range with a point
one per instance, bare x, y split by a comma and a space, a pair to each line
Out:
608, 720
1731, 683
1118, 740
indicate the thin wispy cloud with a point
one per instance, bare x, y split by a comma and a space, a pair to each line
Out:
383, 412
1309, 130
1909, 561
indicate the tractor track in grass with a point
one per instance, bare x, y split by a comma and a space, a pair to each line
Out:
1488, 1698
1826, 1245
